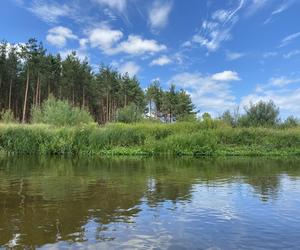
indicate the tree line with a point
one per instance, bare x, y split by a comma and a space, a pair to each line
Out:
29, 76
260, 114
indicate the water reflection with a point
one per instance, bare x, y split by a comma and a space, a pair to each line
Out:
125, 203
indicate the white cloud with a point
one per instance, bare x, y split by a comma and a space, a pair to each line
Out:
58, 36
217, 29
213, 42
231, 56
81, 54
187, 44
49, 12
109, 41
291, 54
17, 47
226, 76
208, 93
289, 39
159, 14
282, 81
136, 45
83, 43
161, 61
119, 5
130, 67
104, 37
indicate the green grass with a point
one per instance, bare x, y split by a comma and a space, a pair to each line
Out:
186, 138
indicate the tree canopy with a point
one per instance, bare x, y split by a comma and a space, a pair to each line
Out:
29, 76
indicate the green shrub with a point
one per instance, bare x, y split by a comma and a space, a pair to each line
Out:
7, 116
129, 114
261, 114
290, 122
60, 113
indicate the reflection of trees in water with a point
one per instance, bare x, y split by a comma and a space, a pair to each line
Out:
266, 186
47, 199
44, 221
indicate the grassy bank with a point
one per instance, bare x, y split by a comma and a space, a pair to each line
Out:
195, 138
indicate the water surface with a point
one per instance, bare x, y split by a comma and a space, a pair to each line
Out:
52, 203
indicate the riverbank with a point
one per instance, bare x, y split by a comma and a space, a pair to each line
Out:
186, 138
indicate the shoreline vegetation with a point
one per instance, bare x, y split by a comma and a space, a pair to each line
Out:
55, 106
148, 139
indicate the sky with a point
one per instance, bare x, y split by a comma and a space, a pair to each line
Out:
225, 54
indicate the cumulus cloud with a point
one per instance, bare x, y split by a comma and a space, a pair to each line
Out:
208, 92
161, 61
226, 76
49, 11
59, 35
110, 42
136, 45
104, 37
130, 67
159, 14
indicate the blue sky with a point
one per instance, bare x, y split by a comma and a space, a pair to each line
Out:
224, 53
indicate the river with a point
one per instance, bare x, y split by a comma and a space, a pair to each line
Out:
149, 203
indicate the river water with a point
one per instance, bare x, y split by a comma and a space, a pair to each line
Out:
149, 203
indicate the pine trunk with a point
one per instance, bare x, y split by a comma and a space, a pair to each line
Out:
25, 98
9, 95
83, 98
37, 91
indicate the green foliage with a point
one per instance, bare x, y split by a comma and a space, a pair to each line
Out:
155, 93
263, 114
60, 113
182, 138
290, 122
228, 118
206, 116
7, 116
129, 114
201, 143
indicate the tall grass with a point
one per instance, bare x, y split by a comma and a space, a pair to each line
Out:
186, 138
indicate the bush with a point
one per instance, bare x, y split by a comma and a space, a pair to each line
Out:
7, 116
60, 113
264, 114
290, 122
129, 114
228, 118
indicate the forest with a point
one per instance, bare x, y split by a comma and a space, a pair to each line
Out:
29, 76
